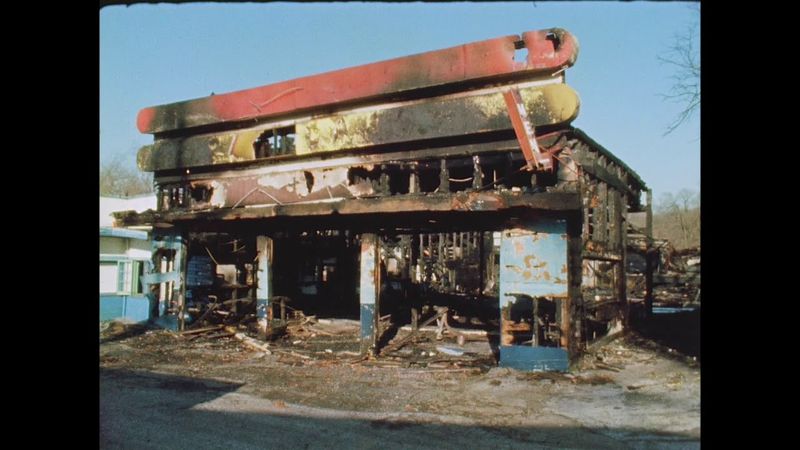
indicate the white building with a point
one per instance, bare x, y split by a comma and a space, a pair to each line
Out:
123, 255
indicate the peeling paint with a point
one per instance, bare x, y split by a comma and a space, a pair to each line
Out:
294, 182
548, 105
217, 194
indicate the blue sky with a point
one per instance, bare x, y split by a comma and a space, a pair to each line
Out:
155, 54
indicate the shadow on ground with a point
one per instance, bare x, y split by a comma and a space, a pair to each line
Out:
679, 331
144, 410
117, 331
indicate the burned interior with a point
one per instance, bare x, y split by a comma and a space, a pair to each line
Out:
397, 196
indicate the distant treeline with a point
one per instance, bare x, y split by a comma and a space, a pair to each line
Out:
677, 219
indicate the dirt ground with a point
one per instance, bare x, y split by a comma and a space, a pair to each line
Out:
628, 393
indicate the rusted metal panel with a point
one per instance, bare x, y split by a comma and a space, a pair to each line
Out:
533, 275
550, 48
437, 118
477, 63
550, 104
533, 260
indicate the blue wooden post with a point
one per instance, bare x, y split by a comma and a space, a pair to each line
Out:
170, 277
370, 282
264, 289
157, 268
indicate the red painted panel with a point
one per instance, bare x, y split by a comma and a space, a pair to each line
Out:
392, 78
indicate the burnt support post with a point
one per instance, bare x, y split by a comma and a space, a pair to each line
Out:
622, 217
413, 180
650, 256
264, 247
181, 259
169, 273
160, 267
444, 177
369, 292
649, 215
477, 173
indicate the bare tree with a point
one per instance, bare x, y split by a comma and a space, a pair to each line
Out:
684, 57
118, 178
678, 218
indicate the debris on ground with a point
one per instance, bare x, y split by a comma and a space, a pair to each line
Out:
651, 388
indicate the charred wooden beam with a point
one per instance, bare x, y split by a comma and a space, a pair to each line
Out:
600, 216
636, 183
649, 215
590, 165
462, 201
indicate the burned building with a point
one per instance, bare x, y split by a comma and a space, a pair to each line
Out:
446, 184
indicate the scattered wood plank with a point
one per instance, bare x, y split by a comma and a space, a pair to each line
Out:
461, 369
399, 344
248, 341
276, 331
289, 352
201, 330
605, 366
238, 300
218, 335
200, 320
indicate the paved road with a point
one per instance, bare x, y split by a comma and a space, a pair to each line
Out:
154, 411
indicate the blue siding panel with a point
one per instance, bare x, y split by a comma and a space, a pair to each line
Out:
111, 307
526, 358
115, 307
533, 263
123, 233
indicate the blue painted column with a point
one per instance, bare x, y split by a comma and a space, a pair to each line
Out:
170, 274
264, 246
369, 285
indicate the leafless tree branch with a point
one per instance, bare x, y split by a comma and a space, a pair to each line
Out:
684, 57
118, 178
